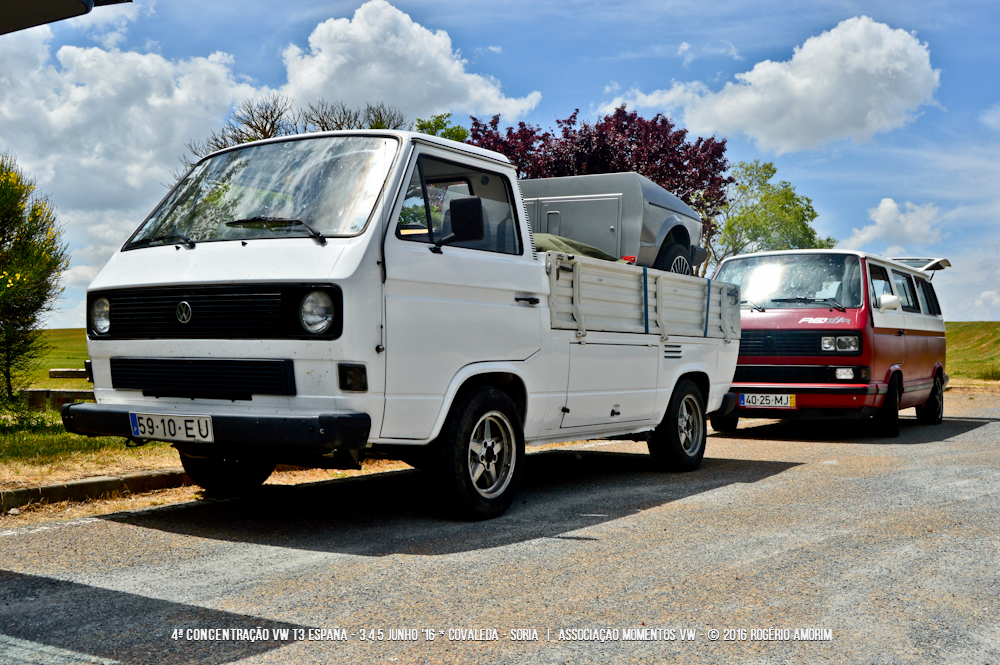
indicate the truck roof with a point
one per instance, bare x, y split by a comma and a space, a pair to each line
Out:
401, 135
854, 252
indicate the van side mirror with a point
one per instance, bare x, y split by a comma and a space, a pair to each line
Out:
888, 301
466, 221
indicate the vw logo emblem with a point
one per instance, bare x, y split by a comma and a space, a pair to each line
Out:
769, 342
183, 312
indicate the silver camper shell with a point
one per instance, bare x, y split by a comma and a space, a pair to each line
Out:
623, 214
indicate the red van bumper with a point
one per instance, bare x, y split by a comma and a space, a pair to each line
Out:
812, 400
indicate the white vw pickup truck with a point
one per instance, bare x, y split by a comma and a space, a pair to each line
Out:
322, 298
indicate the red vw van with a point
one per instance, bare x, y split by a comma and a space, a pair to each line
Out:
837, 334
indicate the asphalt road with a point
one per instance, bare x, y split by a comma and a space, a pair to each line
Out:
875, 550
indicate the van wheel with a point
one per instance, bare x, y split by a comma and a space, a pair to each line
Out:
480, 454
887, 419
678, 443
932, 411
673, 258
227, 476
724, 423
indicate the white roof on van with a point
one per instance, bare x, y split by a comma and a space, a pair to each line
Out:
929, 264
403, 136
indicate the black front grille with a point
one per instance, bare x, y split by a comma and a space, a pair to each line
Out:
784, 374
211, 379
265, 311
789, 343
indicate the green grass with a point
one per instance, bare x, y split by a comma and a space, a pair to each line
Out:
974, 349
69, 349
38, 437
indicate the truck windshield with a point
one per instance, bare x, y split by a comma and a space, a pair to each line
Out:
795, 280
330, 184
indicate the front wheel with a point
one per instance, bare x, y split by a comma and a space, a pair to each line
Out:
678, 444
724, 423
932, 411
481, 454
887, 419
227, 476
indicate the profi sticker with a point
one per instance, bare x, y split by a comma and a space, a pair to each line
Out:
836, 319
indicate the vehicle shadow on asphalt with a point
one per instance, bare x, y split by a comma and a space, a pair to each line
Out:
124, 627
852, 431
398, 512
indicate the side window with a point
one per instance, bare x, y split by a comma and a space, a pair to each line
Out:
904, 289
880, 281
922, 296
443, 181
926, 291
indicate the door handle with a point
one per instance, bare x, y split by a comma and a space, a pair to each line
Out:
531, 300
900, 332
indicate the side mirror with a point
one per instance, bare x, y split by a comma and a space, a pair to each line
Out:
466, 221
888, 301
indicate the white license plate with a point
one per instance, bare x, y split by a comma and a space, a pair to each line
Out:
171, 428
755, 401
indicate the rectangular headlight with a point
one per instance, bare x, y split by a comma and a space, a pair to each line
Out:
847, 343
828, 344
845, 373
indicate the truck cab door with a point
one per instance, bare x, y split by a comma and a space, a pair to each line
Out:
889, 332
463, 303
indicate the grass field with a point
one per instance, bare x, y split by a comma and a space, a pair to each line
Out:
69, 349
974, 349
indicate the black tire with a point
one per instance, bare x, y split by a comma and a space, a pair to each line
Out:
724, 423
887, 420
227, 476
674, 257
678, 444
931, 412
480, 455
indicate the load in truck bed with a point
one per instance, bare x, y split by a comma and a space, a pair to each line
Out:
589, 294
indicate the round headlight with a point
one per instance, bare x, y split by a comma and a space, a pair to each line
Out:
316, 312
100, 315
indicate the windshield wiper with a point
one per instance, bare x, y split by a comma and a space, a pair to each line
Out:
753, 305
166, 236
281, 221
833, 303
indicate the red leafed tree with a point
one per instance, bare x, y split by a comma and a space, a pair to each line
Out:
621, 141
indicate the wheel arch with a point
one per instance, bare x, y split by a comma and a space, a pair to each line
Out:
502, 376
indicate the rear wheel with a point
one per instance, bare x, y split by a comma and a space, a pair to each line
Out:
227, 476
887, 420
674, 258
932, 411
480, 454
678, 444
724, 423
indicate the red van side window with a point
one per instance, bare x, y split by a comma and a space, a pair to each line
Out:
905, 291
880, 281
925, 291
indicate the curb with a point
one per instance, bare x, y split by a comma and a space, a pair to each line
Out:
94, 488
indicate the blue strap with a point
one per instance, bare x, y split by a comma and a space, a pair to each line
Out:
708, 304
645, 300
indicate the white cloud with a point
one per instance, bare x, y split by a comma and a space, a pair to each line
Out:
988, 298
381, 54
685, 50
854, 81
991, 117
611, 87
727, 49
914, 227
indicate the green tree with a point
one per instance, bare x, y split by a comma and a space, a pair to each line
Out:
440, 125
760, 215
32, 257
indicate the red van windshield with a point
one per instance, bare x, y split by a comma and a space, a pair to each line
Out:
795, 280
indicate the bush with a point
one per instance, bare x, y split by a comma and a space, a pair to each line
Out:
990, 371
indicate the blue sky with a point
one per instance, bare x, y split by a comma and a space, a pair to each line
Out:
885, 114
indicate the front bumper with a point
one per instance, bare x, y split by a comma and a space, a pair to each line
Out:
814, 400
307, 435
